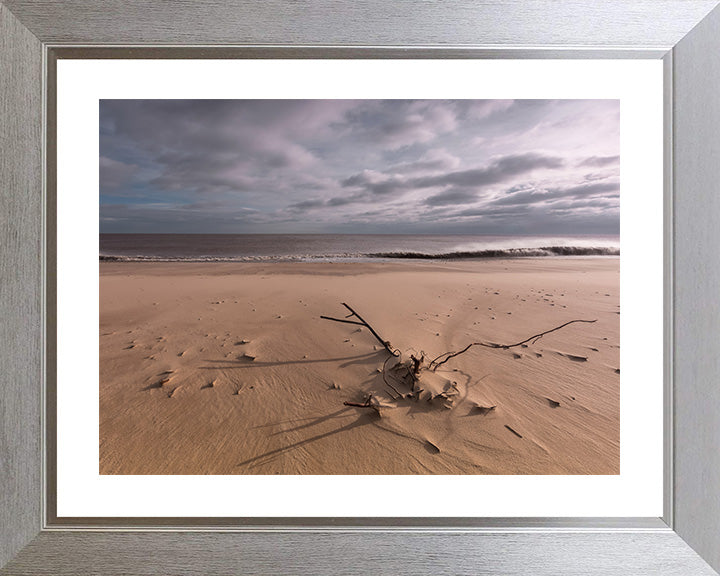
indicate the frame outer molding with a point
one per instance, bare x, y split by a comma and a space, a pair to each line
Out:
21, 209
697, 288
27, 25
531, 23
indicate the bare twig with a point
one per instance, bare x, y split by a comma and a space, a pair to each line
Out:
414, 372
366, 404
358, 405
385, 379
385, 343
514, 431
436, 363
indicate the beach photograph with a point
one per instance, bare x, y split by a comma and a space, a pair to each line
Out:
359, 287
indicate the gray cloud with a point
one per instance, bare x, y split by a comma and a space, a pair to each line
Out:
307, 204
114, 174
600, 161
431, 161
536, 196
353, 166
498, 171
451, 197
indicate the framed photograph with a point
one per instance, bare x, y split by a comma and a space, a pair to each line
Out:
271, 307
510, 218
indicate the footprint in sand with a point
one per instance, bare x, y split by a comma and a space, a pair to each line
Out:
164, 379
483, 410
573, 357
431, 448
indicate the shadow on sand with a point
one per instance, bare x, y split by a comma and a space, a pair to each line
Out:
267, 457
247, 363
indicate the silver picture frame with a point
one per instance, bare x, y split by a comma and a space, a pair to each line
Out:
684, 34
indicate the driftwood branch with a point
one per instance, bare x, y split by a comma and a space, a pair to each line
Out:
437, 362
366, 404
386, 344
412, 368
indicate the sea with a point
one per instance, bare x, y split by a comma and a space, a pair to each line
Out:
345, 247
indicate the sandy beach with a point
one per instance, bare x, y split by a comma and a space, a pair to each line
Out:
228, 368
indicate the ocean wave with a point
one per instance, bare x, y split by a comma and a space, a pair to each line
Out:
538, 252
542, 251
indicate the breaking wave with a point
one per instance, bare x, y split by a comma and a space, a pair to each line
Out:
538, 252
506, 253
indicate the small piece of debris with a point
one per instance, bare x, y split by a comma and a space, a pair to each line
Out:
484, 409
513, 431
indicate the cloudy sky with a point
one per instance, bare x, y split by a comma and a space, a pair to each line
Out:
360, 166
